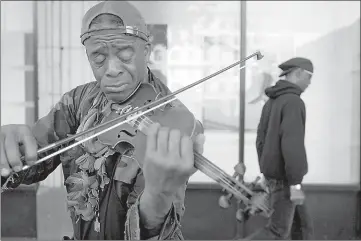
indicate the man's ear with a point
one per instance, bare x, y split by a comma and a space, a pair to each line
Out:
86, 53
298, 72
147, 51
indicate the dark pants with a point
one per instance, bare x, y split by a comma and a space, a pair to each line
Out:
288, 220
302, 228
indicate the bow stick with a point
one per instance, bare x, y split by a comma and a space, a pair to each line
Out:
156, 104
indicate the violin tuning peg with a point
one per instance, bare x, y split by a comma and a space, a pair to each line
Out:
240, 215
240, 169
224, 202
252, 211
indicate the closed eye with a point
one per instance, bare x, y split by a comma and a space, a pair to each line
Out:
98, 59
126, 54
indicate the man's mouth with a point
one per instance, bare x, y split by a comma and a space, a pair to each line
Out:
115, 88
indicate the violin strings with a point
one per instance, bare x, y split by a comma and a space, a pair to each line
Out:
218, 174
233, 179
210, 164
209, 168
229, 187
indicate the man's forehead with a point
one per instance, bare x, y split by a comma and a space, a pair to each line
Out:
111, 40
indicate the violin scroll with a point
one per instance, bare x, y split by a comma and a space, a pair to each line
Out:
243, 214
240, 215
257, 195
225, 200
240, 169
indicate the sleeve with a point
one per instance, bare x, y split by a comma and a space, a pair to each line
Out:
260, 135
262, 128
58, 124
171, 229
292, 141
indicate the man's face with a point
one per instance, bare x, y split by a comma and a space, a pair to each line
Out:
118, 64
301, 78
304, 80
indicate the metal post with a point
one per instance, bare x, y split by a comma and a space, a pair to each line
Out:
35, 59
242, 98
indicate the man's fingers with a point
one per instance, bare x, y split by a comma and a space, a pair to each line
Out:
16, 141
13, 153
188, 154
187, 148
5, 168
162, 141
152, 134
201, 139
174, 143
199, 143
30, 149
198, 146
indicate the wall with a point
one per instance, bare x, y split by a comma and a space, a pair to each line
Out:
17, 63
333, 106
335, 214
18, 105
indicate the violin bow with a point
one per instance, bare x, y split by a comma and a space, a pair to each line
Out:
134, 115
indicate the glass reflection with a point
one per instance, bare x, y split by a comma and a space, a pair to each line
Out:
193, 40
330, 39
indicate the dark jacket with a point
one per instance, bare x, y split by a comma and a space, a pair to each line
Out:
118, 201
280, 134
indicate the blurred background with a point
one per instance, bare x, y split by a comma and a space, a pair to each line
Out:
42, 58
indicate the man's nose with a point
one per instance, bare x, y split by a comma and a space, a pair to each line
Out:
114, 68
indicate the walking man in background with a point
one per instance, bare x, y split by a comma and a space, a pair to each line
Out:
281, 150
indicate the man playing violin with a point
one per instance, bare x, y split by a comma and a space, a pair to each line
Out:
109, 196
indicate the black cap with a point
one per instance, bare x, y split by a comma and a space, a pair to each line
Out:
295, 63
134, 22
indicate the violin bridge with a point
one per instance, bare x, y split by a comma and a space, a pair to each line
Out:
137, 122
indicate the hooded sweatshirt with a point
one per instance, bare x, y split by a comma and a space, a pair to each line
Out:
280, 134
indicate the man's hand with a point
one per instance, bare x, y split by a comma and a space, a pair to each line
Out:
169, 160
16, 141
168, 164
297, 195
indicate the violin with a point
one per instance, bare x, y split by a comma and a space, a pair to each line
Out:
259, 193
132, 135
129, 129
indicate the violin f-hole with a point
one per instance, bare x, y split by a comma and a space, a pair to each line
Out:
126, 133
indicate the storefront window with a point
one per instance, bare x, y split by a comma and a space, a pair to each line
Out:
193, 40
328, 34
